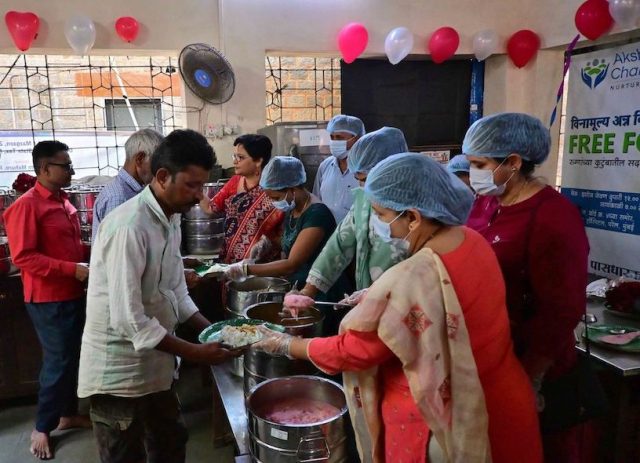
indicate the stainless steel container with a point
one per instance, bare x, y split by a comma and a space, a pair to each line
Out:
203, 227
260, 367
196, 213
7, 198
242, 294
276, 443
307, 326
85, 217
204, 244
83, 200
85, 233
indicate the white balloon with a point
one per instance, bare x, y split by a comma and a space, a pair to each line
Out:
80, 32
485, 44
625, 12
398, 44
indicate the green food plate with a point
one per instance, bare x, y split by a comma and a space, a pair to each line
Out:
596, 332
211, 271
211, 333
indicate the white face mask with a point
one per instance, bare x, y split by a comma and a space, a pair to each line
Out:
284, 205
483, 183
338, 148
382, 228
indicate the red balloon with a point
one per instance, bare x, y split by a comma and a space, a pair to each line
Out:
23, 28
127, 28
443, 44
352, 41
593, 18
522, 47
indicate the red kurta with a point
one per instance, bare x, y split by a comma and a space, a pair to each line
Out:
513, 428
44, 237
543, 250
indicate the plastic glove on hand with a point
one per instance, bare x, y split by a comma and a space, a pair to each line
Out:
355, 298
236, 272
260, 249
273, 342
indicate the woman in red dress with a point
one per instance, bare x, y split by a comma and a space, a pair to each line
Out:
428, 349
539, 238
249, 213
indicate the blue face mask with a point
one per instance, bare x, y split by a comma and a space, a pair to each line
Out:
284, 205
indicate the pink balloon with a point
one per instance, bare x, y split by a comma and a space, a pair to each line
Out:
352, 41
127, 28
23, 28
522, 47
443, 44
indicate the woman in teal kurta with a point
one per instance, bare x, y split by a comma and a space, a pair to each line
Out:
355, 239
308, 224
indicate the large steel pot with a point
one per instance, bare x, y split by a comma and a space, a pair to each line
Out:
196, 213
324, 441
307, 326
83, 200
260, 367
7, 198
242, 294
203, 227
204, 244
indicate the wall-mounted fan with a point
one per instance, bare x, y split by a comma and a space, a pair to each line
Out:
207, 73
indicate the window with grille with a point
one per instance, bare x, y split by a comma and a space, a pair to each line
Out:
128, 113
82, 101
301, 88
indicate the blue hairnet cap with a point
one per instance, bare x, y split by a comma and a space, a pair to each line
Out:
499, 135
458, 163
415, 181
374, 147
344, 123
282, 172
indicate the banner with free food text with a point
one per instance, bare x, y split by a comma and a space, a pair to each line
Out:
601, 158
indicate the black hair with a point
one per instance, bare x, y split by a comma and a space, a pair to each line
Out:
180, 149
258, 146
526, 169
46, 150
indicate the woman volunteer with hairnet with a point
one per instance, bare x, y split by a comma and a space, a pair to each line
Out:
426, 349
308, 224
355, 238
459, 166
541, 244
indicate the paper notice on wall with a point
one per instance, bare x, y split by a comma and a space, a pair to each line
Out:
441, 156
601, 160
100, 153
314, 137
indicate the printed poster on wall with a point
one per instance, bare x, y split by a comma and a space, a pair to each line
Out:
601, 163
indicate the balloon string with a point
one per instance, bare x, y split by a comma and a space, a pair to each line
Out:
567, 64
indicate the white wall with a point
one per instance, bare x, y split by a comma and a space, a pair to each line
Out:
245, 29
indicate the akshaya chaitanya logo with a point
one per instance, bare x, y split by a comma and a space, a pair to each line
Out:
594, 72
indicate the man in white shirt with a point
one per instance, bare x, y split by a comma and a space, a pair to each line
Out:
334, 182
137, 296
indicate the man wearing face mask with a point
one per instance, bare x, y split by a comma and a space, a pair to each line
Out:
334, 180
357, 238
540, 241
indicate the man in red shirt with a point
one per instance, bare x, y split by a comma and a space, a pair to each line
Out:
44, 236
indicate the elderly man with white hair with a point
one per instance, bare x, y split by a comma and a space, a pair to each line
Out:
132, 178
